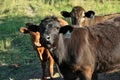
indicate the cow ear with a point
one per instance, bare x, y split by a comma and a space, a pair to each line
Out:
24, 30
65, 14
89, 14
65, 29
29, 24
32, 27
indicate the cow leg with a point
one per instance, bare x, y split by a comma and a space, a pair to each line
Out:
61, 76
85, 77
51, 67
40, 51
95, 76
87, 73
43, 70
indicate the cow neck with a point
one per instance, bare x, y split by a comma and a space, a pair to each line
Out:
60, 51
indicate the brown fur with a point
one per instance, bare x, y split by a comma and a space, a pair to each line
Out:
77, 16
99, 19
62, 22
43, 53
87, 51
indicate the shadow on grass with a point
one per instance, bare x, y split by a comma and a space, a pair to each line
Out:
33, 72
23, 72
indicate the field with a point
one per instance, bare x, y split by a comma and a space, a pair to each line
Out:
18, 60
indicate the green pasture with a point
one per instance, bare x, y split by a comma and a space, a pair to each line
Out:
18, 60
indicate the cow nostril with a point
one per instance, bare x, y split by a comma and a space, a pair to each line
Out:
48, 37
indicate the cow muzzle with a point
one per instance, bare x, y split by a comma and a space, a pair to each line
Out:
47, 38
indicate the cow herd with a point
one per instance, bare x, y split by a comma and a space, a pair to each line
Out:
81, 51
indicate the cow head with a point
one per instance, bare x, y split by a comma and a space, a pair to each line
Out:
33, 30
78, 15
52, 28
49, 29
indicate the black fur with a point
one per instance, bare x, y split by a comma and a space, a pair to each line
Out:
32, 27
89, 14
64, 29
65, 13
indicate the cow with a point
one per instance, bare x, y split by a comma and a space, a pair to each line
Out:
82, 52
82, 18
43, 53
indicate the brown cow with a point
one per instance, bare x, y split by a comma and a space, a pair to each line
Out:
82, 53
82, 18
43, 53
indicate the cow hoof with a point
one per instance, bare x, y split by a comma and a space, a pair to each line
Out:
51, 78
44, 78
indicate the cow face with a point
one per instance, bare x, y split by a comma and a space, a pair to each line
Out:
49, 27
51, 33
78, 15
33, 30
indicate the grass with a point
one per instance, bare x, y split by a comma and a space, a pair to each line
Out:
18, 60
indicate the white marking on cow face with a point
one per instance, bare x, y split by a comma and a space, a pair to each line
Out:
67, 34
82, 19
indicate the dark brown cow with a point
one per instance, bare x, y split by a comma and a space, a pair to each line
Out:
82, 18
43, 53
82, 53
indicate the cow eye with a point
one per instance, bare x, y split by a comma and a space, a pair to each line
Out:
57, 27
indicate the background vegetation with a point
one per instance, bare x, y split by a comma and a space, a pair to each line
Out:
18, 60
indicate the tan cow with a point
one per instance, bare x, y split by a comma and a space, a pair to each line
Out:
43, 53
82, 18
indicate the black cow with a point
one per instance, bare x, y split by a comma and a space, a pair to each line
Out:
81, 53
